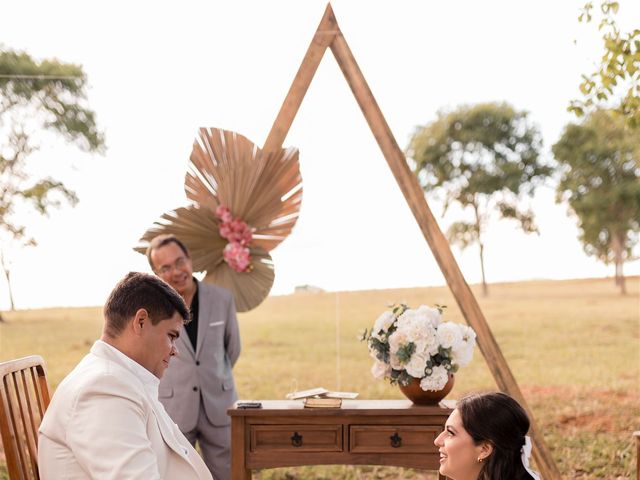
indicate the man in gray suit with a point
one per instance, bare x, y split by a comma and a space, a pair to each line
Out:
198, 387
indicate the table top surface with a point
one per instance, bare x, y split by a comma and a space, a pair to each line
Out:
349, 407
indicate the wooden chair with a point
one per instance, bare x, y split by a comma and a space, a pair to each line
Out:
637, 437
24, 397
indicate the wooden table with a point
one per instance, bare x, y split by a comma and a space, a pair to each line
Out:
362, 432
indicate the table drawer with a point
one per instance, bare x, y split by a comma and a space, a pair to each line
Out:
392, 439
296, 438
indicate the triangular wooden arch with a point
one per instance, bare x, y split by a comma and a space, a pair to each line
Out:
328, 35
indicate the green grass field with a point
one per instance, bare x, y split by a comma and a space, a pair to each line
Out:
574, 347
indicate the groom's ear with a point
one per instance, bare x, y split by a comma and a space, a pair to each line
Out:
140, 321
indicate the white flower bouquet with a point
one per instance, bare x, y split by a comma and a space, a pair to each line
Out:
412, 344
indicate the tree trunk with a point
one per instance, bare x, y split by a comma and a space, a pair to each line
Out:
618, 275
622, 283
7, 275
485, 289
617, 244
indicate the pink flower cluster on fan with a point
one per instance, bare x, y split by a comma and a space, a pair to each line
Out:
239, 235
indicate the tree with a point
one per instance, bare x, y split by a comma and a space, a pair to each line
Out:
616, 81
36, 97
484, 157
599, 163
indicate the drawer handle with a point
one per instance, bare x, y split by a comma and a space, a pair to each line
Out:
296, 440
396, 440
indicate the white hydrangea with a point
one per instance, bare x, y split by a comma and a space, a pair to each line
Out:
462, 353
428, 344
468, 334
407, 317
383, 323
397, 340
432, 314
419, 329
422, 314
416, 365
380, 370
436, 381
449, 335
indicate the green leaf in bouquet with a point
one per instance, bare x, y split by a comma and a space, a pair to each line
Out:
404, 378
405, 352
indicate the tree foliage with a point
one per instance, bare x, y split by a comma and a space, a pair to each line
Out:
615, 83
599, 161
483, 157
36, 97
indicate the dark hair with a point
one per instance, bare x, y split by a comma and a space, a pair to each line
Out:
498, 419
141, 290
161, 241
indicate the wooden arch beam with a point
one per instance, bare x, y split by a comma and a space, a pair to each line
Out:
328, 35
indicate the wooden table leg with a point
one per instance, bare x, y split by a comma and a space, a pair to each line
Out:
238, 460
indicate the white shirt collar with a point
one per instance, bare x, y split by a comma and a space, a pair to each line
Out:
148, 379
150, 384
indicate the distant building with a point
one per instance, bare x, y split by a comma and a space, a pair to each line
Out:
308, 289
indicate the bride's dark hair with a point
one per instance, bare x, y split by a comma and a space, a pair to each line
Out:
498, 419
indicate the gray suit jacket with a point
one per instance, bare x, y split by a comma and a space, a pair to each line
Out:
207, 370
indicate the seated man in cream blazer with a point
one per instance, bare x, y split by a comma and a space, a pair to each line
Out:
105, 421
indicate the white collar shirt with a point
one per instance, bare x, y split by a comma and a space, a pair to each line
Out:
149, 381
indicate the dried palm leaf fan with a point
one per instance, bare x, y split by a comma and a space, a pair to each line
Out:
235, 188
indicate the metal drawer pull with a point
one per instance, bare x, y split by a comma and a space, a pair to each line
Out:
396, 440
296, 440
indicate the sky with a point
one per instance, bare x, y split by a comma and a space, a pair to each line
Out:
158, 71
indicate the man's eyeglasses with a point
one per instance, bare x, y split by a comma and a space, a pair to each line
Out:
167, 269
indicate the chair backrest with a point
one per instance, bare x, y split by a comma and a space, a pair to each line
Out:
24, 397
636, 435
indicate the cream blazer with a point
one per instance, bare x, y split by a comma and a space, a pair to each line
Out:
102, 424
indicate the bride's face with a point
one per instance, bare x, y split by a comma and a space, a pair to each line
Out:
458, 454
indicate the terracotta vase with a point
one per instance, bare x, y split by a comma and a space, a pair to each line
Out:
426, 397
